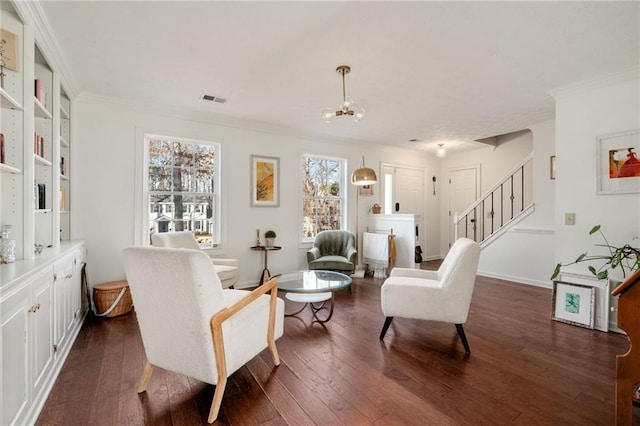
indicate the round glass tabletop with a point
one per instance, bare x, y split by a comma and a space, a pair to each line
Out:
312, 281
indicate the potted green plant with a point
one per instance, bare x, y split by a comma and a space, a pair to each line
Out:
270, 237
625, 257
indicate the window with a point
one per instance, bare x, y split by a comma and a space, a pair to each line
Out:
323, 203
182, 188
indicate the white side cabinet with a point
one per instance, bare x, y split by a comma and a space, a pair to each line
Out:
26, 344
40, 316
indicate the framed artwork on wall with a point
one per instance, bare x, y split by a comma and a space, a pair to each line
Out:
618, 163
573, 303
265, 181
365, 190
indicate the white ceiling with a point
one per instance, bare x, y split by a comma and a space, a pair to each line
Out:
449, 72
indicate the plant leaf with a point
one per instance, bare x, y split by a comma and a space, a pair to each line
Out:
556, 271
593, 270
582, 256
603, 275
594, 229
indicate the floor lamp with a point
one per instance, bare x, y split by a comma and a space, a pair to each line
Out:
361, 177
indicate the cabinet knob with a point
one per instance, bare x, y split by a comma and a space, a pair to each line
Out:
55, 277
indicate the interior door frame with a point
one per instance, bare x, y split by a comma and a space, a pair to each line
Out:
449, 216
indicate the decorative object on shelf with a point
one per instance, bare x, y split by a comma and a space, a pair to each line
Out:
257, 238
8, 53
441, 152
618, 163
345, 109
7, 246
360, 177
270, 238
37, 248
625, 257
573, 304
552, 167
376, 209
265, 181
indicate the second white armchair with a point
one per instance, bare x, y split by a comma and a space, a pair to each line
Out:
228, 270
442, 295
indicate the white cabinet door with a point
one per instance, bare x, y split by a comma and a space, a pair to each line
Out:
40, 327
15, 361
62, 313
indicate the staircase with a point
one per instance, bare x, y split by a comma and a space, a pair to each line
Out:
505, 203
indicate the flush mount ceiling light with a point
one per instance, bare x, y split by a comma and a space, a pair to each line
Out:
441, 150
346, 108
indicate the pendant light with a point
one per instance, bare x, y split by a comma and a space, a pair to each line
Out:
345, 109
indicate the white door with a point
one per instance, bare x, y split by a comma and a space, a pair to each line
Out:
463, 191
403, 190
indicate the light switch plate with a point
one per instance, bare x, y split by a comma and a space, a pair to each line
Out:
569, 218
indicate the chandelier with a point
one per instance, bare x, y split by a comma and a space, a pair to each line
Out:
346, 107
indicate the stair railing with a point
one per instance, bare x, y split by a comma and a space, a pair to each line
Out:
499, 206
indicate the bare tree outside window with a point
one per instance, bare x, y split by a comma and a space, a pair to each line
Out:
182, 196
323, 198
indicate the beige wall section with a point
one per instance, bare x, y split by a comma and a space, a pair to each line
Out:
106, 165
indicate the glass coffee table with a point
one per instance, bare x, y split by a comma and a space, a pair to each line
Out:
313, 288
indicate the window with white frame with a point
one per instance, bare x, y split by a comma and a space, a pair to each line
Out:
182, 182
323, 194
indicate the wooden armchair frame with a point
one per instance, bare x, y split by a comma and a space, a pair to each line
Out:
218, 342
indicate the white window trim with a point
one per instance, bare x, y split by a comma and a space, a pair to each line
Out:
304, 242
141, 205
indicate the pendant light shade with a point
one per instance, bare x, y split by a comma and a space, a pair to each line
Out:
441, 150
363, 176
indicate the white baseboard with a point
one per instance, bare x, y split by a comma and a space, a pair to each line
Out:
518, 280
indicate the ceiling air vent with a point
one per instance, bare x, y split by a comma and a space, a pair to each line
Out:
213, 98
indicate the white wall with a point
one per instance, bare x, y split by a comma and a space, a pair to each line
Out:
525, 252
495, 163
583, 114
104, 182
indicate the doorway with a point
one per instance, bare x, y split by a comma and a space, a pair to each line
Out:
463, 191
403, 190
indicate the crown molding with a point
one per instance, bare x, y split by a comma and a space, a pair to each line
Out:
629, 74
32, 14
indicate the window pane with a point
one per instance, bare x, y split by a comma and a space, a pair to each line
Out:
183, 154
181, 170
159, 179
322, 195
160, 153
182, 180
204, 179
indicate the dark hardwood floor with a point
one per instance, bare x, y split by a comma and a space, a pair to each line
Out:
524, 369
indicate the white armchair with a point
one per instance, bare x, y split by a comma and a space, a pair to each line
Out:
442, 295
227, 269
191, 325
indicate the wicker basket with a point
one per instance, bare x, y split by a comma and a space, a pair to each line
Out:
105, 295
375, 209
